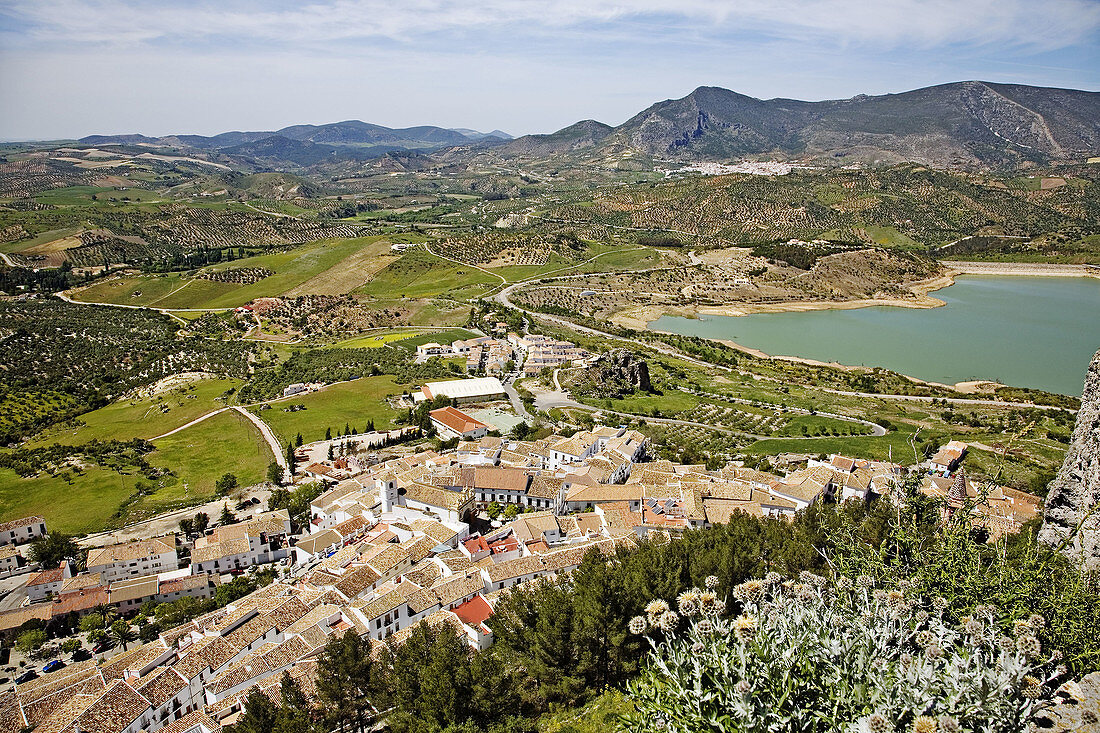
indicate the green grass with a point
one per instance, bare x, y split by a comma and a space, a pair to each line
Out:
376, 340
418, 274
818, 425
142, 418
351, 403
82, 195
87, 504
440, 337
290, 269
199, 455
894, 443
42, 238
96, 496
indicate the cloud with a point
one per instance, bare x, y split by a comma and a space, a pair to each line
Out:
1045, 24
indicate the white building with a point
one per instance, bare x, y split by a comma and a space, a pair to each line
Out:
134, 559
18, 531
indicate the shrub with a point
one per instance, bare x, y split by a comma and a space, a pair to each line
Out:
813, 656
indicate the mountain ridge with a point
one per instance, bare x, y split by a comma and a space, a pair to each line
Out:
959, 124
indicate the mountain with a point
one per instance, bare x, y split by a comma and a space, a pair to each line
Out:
964, 123
578, 136
308, 144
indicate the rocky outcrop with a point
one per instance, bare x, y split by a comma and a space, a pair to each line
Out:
1071, 520
616, 373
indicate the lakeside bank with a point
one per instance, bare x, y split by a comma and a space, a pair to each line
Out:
996, 328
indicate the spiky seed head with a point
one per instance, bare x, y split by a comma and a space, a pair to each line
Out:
985, 610
743, 687
707, 599
939, 603
935, 651
924, 724
1056, 655
974, 627
744, 627
698, 647
879, 595
638, 625
949, 725
1021, 627
895, 598
878, 723
705, 627
656, 607
1037, 622
921, 616
751, 591
1031, 688
865, 581
844, 582
667, 621
711, 582
925, 638
1029, 646
773, 578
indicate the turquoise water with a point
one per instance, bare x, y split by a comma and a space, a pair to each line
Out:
1024, 331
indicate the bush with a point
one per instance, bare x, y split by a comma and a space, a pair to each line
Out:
816, 657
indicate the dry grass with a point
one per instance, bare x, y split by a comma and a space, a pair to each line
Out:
350, 273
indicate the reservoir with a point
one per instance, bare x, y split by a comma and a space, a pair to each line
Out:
1023, 331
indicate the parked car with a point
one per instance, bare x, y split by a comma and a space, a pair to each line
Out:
102, 646
27, 676
53, 666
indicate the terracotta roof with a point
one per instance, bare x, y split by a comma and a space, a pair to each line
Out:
127, 551
114, 711
218, 550
456, 420
24, 522
474, 611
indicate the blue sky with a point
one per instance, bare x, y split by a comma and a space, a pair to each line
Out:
69, 68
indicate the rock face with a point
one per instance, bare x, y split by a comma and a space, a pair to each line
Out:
1071, 507
614, 374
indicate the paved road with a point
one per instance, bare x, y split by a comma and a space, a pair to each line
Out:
952, 400
272, 441
517, 403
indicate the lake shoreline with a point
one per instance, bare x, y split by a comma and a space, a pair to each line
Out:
971, 385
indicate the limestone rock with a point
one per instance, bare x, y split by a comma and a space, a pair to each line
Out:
1071, 507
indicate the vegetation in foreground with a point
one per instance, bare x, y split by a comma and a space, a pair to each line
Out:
560, 644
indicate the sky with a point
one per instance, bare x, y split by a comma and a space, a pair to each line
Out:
70, 68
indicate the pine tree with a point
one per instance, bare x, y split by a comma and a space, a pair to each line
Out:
259, 716
328, 433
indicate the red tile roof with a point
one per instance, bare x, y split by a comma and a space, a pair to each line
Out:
474, 611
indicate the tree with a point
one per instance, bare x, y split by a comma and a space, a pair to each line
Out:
121, 632
31, 641
331, 451
187, 526
69, 646
51, 549
225, 485
259, 716
349, 683
298, 440
493, 510
290, 460
92, 622
227, 516
511, 511
328, 433
275, 472
202, 521
294, 707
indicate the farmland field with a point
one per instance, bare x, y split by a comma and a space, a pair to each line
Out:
199, 455
145, 417
352, 403
291, 269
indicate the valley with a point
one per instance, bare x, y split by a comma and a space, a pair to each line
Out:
378, 377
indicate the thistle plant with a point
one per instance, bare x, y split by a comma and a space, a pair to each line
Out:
813, 656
